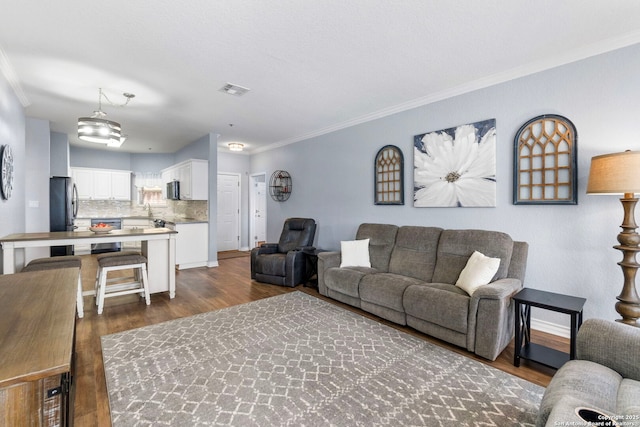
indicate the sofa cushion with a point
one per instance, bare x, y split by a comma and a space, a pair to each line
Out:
456, 246
355, 253
382, 238
386, 289
479, 271
415, 251
346, 280
440, 303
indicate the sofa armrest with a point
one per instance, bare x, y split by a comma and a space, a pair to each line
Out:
503, 288
329, 259
611, 344
326, 260
491, 318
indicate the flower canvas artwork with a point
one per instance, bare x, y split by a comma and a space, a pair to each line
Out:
456, 167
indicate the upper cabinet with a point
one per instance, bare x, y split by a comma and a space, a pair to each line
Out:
102, 184
193, 175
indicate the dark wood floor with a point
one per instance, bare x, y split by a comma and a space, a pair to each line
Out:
200, 290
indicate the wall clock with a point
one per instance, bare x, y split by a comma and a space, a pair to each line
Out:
6, 166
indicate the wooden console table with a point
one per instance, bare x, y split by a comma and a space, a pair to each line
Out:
37, 331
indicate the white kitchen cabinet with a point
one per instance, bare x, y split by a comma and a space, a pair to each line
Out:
133, 224
193, 175
102, 184
82, 224
192, 245
83, 178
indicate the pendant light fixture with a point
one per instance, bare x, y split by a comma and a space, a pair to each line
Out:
100, 130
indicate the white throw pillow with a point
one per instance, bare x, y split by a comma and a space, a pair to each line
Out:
479, 271
355, 253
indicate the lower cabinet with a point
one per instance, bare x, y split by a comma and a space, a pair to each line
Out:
192, 245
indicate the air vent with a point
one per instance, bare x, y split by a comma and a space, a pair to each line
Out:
234, 90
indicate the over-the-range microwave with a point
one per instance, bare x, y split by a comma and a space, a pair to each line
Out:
173, 190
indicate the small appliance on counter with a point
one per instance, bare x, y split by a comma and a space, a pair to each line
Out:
173, 190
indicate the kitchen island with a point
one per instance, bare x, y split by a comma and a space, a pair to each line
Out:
158, 246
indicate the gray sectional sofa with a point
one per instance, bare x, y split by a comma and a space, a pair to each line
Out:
412, 279
604, 380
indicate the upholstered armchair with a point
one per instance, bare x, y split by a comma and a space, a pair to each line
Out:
284, 263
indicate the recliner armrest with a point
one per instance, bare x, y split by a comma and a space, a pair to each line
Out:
306, 248
611, 344
267, 248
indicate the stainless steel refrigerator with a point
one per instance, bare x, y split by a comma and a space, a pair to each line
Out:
63, 208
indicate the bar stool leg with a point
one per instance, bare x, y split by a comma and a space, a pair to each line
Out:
102, 284
79, 301
145, 283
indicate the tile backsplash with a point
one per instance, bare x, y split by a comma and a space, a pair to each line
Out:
196, 209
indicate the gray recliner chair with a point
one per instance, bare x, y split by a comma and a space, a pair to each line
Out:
285, 263
603, 381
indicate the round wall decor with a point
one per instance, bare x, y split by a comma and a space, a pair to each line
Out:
6, 171
280, 186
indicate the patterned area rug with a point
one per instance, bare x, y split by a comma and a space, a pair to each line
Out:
295, 360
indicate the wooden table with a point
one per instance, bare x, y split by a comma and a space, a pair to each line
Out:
524, 348
158, 245
37, 331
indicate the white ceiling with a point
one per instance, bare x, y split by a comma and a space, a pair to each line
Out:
312, 65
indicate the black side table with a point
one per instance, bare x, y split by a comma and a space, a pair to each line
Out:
312, 267
527, 298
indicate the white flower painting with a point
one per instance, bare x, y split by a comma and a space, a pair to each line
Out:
456, 167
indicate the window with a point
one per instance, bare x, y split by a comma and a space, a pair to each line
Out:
545, 162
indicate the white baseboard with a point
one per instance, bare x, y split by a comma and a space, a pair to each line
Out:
244, 249
212, 264
551, 328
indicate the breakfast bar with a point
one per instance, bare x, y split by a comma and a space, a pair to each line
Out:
158, 246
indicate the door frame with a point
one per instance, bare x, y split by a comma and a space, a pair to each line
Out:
239, 207
253, 179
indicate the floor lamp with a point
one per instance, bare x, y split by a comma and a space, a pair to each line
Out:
619, 173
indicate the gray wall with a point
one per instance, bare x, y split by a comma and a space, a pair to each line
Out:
37, 149
570, 246
12, 133
59, 154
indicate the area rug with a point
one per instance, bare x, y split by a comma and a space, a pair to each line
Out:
296, 360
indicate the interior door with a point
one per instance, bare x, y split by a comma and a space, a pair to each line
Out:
228, 212
260, 214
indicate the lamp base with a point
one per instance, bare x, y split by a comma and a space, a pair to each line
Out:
628, 304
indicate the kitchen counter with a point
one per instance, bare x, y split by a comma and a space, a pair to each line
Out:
182, 220
158, 246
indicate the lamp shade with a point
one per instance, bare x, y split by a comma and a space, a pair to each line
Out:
616, 173
99, 130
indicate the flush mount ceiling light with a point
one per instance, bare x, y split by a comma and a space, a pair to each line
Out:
234, 90
235, 146
100, 130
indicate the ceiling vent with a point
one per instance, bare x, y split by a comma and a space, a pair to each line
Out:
234, 90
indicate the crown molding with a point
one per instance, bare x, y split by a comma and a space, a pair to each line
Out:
9, 74
491, 80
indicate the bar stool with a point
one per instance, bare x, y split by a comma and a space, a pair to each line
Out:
67, 261
114, 261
